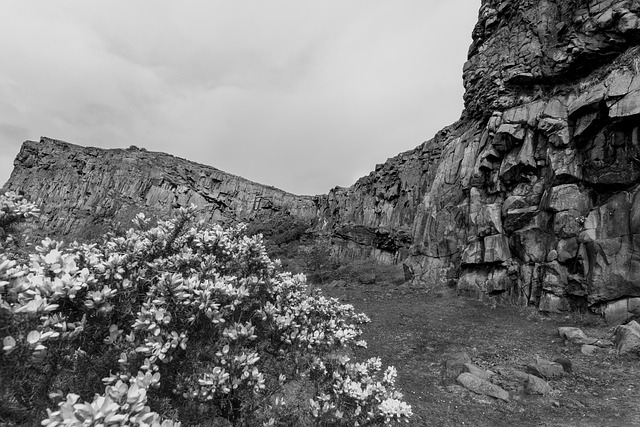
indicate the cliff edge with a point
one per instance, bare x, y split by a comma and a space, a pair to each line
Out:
84, 190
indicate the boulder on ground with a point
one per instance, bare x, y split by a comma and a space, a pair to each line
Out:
478, 372
536, 385
480, 386
575, 335
567, 365
628, 338
456, 362
546, 369
589, 350
509, 372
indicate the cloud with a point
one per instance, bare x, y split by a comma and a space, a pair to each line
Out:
301, 95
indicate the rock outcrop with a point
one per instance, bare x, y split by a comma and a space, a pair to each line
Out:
83, 190
532, 197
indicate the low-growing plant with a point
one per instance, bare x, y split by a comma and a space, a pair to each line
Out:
179, 321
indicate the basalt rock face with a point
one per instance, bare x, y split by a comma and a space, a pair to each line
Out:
521, 48
84, 191
533, 197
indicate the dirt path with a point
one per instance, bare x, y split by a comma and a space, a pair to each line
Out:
415, 330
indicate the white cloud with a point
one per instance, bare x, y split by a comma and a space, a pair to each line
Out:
300, 95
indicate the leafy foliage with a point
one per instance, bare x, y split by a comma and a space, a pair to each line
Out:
14, 209
181, 321
282, 234
318, 260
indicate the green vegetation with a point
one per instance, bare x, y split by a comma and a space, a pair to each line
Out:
177, 322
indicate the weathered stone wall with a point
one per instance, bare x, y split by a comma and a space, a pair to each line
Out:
85, 190
532, 197
564, 177
523, 48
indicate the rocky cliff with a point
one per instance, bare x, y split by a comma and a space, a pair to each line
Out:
84, 191
532, 197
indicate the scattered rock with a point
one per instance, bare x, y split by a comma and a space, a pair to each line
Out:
512, 373
536, 385
474, 370
603, 343
480, 386
589, 350
546, 369
567, 365
575, 335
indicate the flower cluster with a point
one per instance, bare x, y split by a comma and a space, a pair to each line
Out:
183, 310
357, 393
14, 207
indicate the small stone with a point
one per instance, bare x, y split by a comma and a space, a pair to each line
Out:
603, 343
567, 365
536, 385
509, 372
546, 369
575, 335
481, 386
474, 370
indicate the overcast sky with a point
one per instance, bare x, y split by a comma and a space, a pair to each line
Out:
303, 95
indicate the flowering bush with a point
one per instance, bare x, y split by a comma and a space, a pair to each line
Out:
180, 321
14, 208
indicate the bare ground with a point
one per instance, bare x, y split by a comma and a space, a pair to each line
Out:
416, 329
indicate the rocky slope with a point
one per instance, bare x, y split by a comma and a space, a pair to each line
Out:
532, 197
